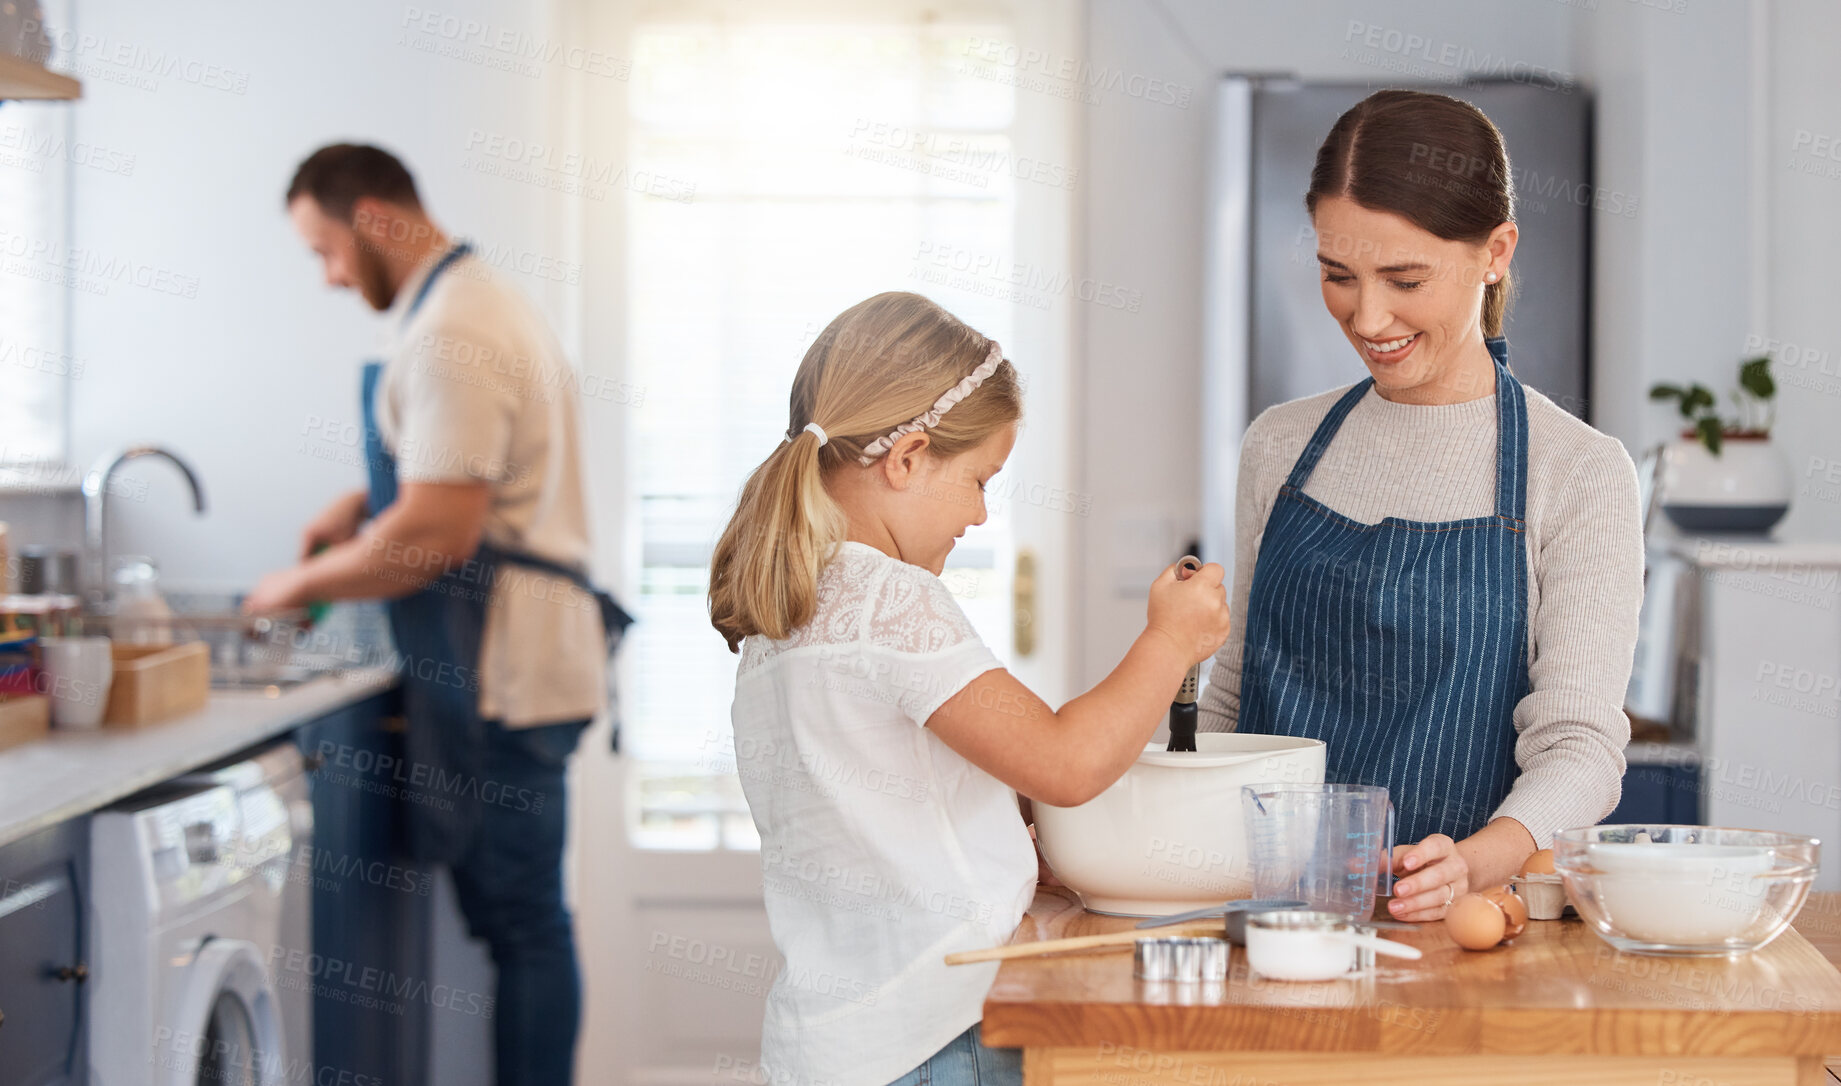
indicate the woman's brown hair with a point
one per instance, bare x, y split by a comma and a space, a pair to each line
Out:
880, 364
1435, 161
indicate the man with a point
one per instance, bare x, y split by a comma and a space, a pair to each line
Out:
474, 528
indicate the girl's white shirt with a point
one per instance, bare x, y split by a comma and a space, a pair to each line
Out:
882, 850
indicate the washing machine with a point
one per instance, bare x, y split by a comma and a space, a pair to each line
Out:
196, 910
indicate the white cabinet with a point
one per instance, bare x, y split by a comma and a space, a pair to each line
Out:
1769, 718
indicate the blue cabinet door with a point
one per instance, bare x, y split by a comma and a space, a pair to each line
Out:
368, 969
42, 969
1659, 794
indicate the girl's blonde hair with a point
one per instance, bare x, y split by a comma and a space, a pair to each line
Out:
880, 364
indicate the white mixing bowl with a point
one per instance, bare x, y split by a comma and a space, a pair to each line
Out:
1169, 836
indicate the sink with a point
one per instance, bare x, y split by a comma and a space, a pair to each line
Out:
277, 677
274, 651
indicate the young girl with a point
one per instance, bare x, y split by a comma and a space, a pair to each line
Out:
878, 740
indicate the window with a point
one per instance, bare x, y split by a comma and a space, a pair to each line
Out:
789, 171
35, 365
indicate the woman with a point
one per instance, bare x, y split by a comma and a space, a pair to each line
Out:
1439, 569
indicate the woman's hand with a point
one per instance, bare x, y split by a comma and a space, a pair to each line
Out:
1431, 875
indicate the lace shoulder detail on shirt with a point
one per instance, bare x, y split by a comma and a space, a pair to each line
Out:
844, 587
915, 612
864, 595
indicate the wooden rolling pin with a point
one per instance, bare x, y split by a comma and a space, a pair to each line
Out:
1083, 942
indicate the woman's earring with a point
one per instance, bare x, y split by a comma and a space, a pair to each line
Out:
1491, 277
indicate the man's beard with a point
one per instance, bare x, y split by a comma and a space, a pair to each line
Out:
374, 279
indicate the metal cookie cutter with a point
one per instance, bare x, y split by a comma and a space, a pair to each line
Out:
1185, 960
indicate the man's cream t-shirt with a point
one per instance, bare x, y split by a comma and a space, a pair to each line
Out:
475, 388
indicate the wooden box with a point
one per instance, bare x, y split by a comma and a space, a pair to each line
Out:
157, 682
23, 718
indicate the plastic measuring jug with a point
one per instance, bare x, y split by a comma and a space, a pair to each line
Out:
1327, 844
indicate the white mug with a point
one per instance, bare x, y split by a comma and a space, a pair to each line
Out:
76, 676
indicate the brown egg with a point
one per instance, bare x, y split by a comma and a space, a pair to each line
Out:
1541, 863
1474, 922
1514, 910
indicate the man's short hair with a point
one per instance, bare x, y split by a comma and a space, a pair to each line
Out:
336, 175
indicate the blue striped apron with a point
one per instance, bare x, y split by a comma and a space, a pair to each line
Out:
1403, 644
438, 631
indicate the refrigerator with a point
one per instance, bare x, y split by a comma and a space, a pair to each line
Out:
1267, 337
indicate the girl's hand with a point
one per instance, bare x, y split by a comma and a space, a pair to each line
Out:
1192, 613
1044, 876
1432, 874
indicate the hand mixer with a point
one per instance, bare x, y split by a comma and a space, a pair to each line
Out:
1182, 710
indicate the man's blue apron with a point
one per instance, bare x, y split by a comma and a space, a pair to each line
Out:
438, 630
1402, 645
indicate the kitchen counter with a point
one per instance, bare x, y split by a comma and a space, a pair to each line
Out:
1557, 1005
72, 771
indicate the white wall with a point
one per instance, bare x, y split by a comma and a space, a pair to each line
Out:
1803, 212
235, 378
1725, 119
1138, 429
1674, 283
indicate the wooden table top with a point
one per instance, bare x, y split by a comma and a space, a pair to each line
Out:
1556, 989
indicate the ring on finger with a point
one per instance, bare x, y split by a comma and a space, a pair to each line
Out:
1450, 893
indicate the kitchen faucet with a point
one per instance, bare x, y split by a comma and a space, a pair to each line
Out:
95, 508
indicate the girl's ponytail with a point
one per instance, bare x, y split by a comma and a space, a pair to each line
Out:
764, 576
883, 363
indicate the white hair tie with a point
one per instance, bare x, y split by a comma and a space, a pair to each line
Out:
813, 427
966, 386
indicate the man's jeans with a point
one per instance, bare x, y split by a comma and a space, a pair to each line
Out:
510, 885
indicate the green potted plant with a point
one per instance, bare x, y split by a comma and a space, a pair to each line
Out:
1723, 474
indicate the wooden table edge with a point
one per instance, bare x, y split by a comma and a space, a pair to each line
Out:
1791, 1034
